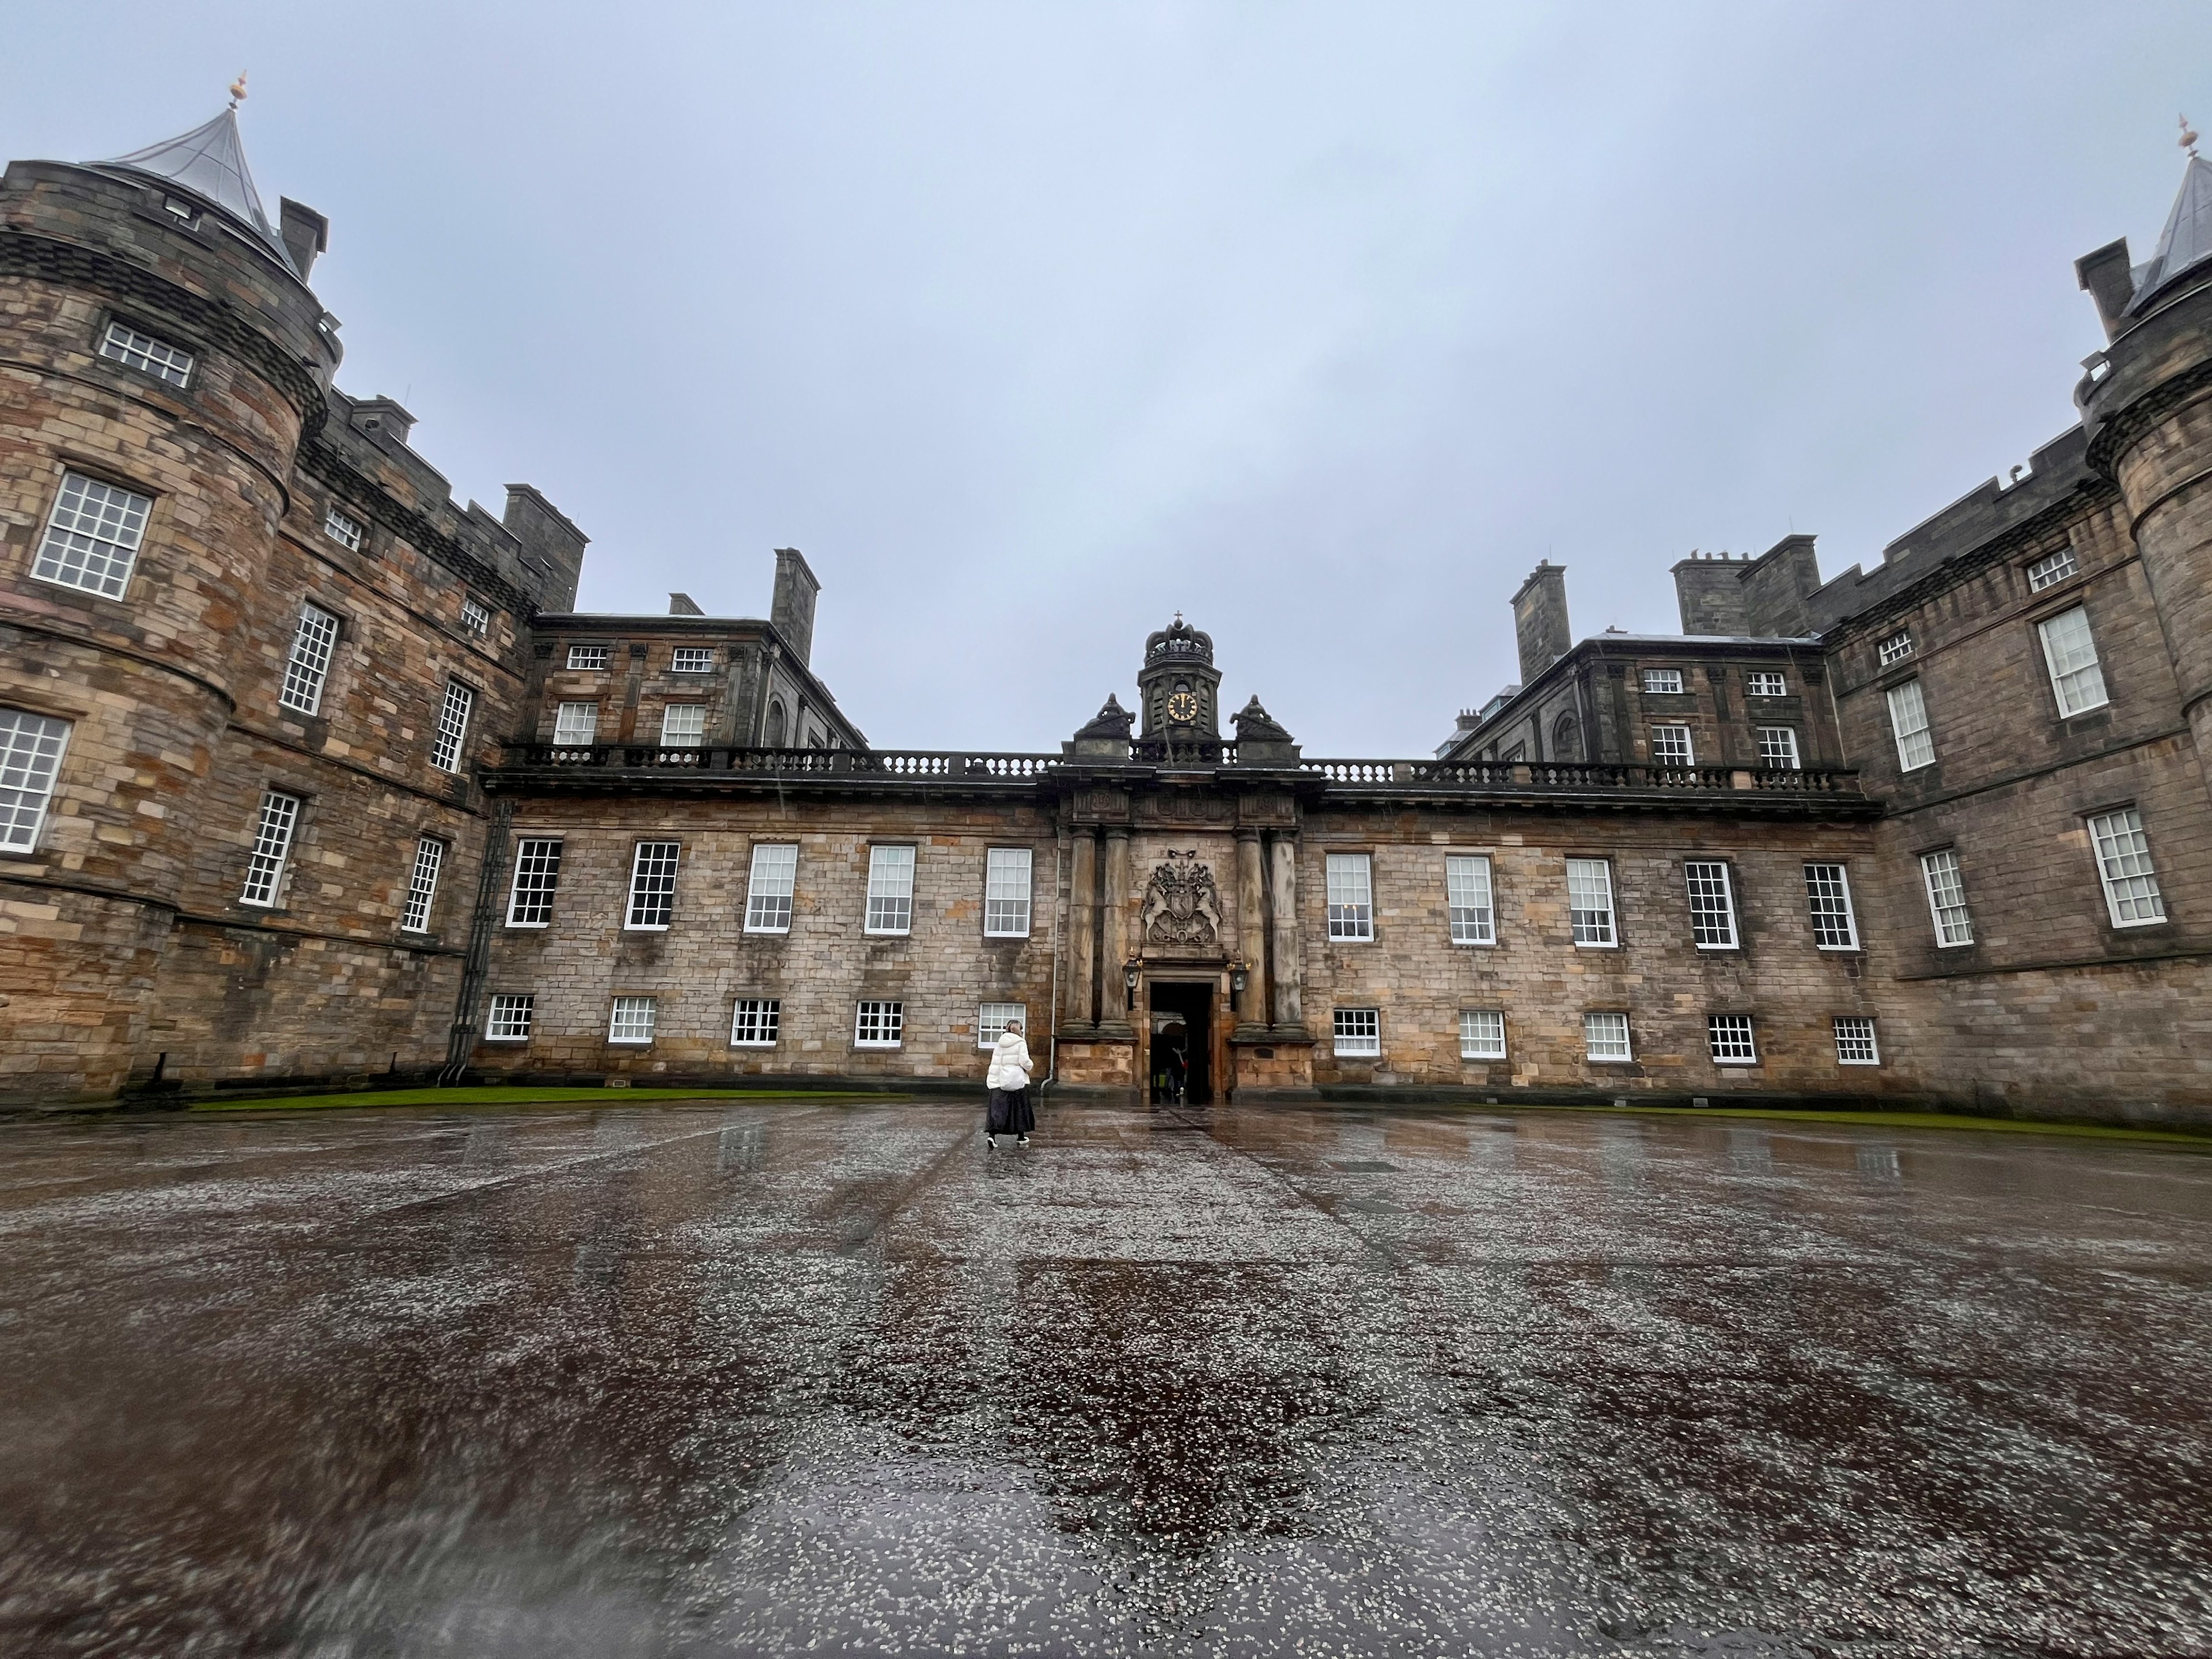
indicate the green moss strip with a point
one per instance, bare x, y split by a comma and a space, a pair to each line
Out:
509, 1097
2199, 1139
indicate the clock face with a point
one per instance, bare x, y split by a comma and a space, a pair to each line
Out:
1182, 708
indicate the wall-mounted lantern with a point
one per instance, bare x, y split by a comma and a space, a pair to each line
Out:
1239, 977
1129, 982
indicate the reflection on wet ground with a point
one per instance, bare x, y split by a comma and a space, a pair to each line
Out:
755, 1378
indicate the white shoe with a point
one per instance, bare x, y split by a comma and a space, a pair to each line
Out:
990, 1140
1024, 1141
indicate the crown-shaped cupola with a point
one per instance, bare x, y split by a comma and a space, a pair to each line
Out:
1178, 687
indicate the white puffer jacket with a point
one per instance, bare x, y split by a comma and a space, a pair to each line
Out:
1010, 1063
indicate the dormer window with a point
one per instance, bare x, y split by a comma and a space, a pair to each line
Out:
125, 344
178, 207
343, 529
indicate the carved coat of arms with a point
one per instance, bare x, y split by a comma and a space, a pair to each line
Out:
1182, 906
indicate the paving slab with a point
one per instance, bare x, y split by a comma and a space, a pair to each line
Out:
764, 1377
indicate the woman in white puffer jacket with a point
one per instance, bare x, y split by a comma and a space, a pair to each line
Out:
1009, 1084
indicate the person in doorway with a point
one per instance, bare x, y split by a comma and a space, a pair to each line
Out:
1009, 1084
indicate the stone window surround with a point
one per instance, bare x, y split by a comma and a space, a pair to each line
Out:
1356, 1033
270, 856
880, 1015
1940, 868
886, 904
135, 343
1611, 910
1848, 1039
325, 647
1482, 935
509, 1004
1726, 1035
770, 893
1468, 1019
754, 1015
1850, 910
1716, 919
1027, 901
633, 1021
431, 855
69, 465
2108, 813
544, 871
1626, 1030
2042, 621
1361, 921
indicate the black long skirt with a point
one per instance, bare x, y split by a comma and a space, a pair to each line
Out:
1009, 1113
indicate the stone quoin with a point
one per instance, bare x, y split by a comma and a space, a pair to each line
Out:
309, 775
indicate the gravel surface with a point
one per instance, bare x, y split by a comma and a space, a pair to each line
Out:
768, 1377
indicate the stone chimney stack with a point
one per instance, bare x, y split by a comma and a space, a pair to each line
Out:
305, 232
1540, 619
553, 546
792, 611
1709, 588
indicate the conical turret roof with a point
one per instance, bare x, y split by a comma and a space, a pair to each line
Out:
2187, 238
210, 162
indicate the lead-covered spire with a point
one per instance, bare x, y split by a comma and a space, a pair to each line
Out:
210, 162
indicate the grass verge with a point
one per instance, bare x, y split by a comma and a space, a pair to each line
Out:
507, 1096
2029, 1126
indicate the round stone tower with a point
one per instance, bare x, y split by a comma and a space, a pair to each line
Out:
163, 355
2147, 407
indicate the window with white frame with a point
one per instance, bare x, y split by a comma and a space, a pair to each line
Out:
1896, 648
1908, 723
2071, 654
93, 537
1351, 896
1712, 906
878, 1025
343, 528
652, 886
2131, 892
272, 845
1854, 1043
768, 888
991, 1021
1662, 682
1007, 892
125, 344
1590, 902
575, 725
890, 891
313, 641
1359, 1032
1670, 746
452, 727
683, 725
513, 1013
1947, 897
31, 748
1777, 748
1828, 900
1728, 1038
632, 1020
1466, 895
756, 1022
423, 885
1482, 1034
536, 876
590, 658
691, 659
476, 617
1605, 1037
1766, 683
2051, 569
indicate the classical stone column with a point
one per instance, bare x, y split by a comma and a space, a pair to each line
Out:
1082, 928
1251, 928
1289, 972
1114, 929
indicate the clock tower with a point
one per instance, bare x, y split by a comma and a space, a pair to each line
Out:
1178, 689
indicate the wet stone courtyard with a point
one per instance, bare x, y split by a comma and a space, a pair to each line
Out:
766, 1378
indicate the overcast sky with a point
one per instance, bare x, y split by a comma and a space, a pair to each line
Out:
1032, 323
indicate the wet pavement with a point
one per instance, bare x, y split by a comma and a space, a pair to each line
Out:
760, 1378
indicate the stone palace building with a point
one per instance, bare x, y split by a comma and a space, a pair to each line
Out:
310, 775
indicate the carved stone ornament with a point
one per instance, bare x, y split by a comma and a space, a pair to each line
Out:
1181, 905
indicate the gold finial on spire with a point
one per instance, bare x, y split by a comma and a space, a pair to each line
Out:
2188, 139
238, 90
